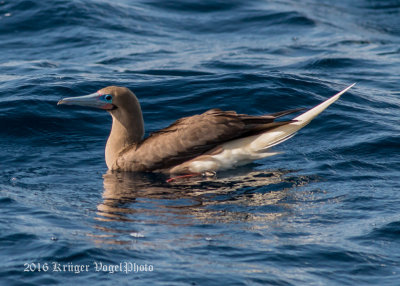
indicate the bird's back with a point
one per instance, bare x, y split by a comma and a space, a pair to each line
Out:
190, 137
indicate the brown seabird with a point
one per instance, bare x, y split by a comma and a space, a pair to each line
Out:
199, 144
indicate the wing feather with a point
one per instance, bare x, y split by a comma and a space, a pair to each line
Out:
192, 136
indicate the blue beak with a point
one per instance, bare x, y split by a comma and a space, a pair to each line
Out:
92, 100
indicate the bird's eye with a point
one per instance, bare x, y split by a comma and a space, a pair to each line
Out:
108, 97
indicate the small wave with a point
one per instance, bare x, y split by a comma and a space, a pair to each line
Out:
37, 16
388, 232
170, 72
206, 6
337, 63
279, 18
373, 147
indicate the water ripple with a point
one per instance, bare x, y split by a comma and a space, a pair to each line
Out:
322, 212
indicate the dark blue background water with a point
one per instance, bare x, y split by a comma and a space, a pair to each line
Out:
325, 212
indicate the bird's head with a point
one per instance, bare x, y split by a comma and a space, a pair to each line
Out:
110, 98
124, 107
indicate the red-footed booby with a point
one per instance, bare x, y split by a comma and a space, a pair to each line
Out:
200, 144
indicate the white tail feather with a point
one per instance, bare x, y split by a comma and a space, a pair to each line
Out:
245, 150
270, 138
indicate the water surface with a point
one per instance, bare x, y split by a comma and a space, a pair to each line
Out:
323, 212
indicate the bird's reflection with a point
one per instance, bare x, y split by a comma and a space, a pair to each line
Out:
133, 198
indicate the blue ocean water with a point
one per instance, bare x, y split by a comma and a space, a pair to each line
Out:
326, 211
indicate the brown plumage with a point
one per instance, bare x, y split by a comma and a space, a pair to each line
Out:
210, 141
190, 137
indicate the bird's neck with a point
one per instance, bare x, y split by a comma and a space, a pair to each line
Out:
125, 131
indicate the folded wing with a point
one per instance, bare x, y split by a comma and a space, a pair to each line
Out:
192, 136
